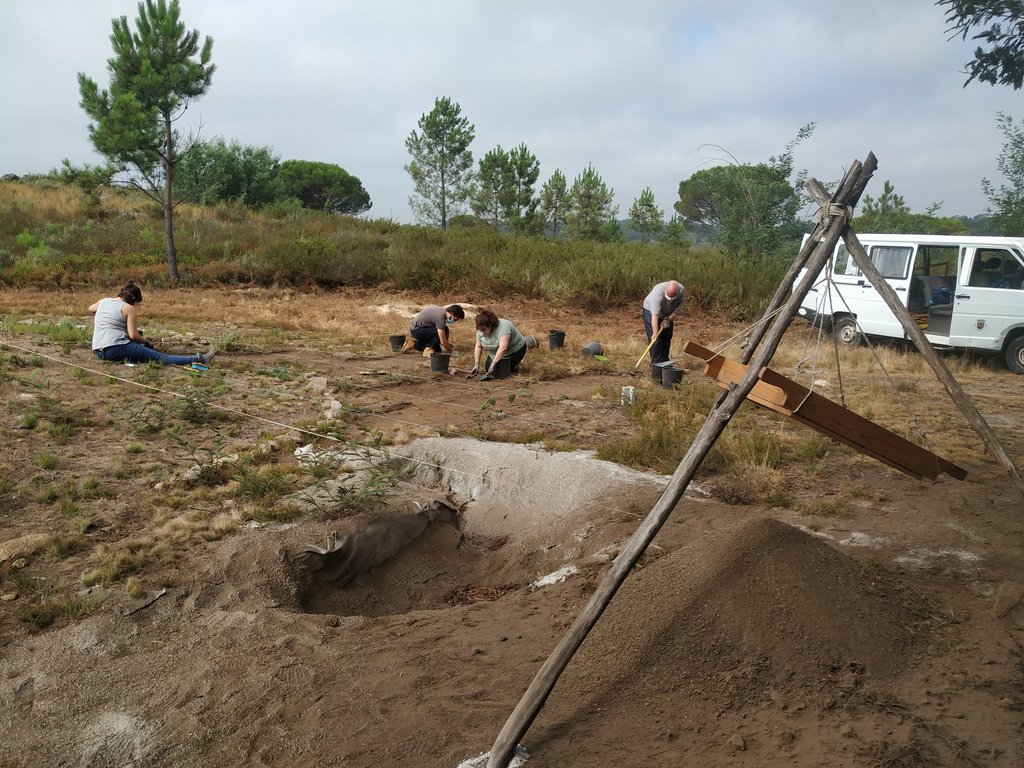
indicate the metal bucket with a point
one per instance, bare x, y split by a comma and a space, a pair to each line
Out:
397, 342
670, 376
556, 338
439, 362
656, 369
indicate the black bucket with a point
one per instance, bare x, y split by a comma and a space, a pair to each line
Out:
656, 371
397, 342
670, 376
503, 368
556, 339
439, 362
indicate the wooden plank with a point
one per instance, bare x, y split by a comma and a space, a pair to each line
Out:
945, 376
869, 438
728, 372
789, 398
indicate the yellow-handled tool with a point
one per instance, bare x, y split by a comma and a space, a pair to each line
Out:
654, 338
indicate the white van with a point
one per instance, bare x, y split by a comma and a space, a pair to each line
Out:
963, 291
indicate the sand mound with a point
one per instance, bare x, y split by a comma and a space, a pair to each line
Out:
761, 606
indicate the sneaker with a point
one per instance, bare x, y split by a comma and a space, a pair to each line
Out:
409, 346
207, 357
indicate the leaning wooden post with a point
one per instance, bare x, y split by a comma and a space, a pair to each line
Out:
776, 301
817, 191
829, 231
915, 334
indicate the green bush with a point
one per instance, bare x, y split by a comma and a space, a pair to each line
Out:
43, 245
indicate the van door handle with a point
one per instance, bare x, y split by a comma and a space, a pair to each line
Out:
900, 288
963, 295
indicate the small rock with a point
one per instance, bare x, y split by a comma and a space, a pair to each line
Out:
23, 545
1006, 703
736, 743
846, 731
318, 383
9, 596
1008, 596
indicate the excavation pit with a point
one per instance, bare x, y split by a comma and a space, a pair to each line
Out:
526, 517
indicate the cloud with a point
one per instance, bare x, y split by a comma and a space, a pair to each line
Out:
644, 92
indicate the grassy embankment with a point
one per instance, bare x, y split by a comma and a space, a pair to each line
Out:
124, 518
51, 236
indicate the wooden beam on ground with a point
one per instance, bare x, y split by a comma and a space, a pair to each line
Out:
785, 396
819, 246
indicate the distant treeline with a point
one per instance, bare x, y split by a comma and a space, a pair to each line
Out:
53, 235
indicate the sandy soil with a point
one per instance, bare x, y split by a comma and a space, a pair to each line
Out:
889, 635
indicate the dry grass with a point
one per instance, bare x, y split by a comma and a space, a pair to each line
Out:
115, 531
57, 201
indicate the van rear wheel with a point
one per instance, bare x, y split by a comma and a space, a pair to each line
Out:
846, 331
1015, 355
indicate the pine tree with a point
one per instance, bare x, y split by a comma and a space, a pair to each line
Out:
154, 75
645, 217
494, 188
590, 206
522, 207
442, 164
554, 203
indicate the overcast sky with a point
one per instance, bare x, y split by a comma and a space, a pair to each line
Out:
648, 91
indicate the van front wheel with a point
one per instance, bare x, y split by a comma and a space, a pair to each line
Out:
846, 331
1015, 355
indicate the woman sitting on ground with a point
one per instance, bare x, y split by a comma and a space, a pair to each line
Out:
501, 339
116, 335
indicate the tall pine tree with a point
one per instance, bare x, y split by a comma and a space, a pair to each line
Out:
154, 75
591, 211
442, 164
554, 203
645, 217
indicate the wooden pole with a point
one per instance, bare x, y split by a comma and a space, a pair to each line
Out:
915, 334
828, 231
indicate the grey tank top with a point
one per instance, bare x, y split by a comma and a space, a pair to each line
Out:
110, 327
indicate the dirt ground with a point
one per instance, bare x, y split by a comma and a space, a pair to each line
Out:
888, 633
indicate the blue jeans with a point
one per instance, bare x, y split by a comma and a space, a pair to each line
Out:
133, 352
661, 349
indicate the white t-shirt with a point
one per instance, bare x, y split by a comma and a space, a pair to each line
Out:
110, 327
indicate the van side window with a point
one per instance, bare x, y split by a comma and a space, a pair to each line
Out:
844, 264
995, 268
891, 260
1013, 274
